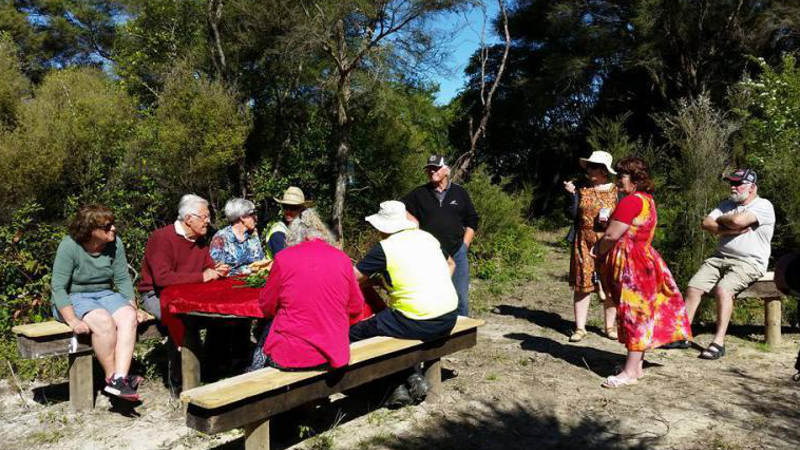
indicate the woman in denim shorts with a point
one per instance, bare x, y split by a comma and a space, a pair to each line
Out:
92, 292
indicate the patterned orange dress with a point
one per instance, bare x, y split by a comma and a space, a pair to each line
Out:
587, 232
651, 311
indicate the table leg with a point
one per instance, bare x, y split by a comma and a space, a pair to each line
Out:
433, 374
190, 363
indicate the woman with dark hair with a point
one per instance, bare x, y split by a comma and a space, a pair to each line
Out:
92, 292
651, 309
591, 207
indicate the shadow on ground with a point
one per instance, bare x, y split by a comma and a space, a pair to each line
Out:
490, 427
544, 319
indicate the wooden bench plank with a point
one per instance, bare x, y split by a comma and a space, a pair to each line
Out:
254, 383
39, 340
269, 403
42, 329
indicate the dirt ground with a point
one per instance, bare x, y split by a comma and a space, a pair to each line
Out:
524, 386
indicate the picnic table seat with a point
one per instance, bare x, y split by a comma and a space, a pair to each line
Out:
53, 338
764, 288
249, 400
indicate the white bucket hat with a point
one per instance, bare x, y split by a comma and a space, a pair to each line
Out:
292, 196
391, 218
599, 157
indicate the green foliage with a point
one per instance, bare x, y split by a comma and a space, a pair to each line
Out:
13, 84
698, 134
194, 136
505, 249
68, 138
770, 108
25, 244
28, 369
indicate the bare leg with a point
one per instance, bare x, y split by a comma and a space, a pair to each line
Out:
610, 315
125, 320
633, 366
104, 337
693, 297
724, 310
581, 305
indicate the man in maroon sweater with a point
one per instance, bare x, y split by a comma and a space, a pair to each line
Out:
178, 254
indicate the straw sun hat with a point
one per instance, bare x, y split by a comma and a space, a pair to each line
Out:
292, 196
598, 157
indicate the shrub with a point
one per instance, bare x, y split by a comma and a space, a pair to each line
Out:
504, 249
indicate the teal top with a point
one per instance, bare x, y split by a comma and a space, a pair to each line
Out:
75, 270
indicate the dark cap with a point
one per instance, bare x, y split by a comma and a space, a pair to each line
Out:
743, 176
436, 161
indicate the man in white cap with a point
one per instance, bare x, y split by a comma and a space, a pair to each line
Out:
744, 223
445, 210
292, 204
422, 300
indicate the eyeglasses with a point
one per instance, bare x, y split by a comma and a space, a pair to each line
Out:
293, 207
739, 183
203, 218
107, 227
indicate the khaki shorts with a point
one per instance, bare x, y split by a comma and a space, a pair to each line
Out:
730, 275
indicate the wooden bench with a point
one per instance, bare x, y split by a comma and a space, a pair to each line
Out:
41, 340
766, 290
249, 400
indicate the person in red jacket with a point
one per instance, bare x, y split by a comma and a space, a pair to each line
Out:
178, 254
312, 294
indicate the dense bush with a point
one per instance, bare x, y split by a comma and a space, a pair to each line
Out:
504, 249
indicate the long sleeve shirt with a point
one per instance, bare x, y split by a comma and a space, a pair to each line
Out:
75, 270
312, 293
170, 258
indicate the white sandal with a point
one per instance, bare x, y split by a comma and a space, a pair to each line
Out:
614, 382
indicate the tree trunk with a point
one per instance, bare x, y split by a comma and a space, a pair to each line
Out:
342, 153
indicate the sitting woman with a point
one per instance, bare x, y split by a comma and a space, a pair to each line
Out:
651, 309
92, 292
311, 294
237, 245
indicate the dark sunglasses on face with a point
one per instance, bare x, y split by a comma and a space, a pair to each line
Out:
595, 166
737, 183
292, 207
107, 227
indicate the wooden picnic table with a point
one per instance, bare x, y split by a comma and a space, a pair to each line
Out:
186, 308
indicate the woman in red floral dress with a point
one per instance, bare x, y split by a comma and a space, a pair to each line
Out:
651, 311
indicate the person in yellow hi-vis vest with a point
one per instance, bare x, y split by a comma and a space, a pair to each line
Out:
292, 204
415, 272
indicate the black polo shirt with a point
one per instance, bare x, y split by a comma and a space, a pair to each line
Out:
445, 219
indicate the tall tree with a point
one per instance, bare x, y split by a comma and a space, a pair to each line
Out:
363, 37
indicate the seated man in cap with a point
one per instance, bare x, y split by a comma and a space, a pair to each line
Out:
292, 204
422, 299
745, 223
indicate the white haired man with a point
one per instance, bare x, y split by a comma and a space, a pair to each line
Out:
745, 223
444, 209
177, 254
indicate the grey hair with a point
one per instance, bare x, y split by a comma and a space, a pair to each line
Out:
308, 226
236, 208
190, 204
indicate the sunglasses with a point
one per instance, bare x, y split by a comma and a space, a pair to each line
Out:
107, 227
738, 183
293, 207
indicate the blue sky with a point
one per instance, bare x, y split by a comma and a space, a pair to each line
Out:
463, 31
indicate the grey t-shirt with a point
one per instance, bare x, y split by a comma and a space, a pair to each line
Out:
753, 246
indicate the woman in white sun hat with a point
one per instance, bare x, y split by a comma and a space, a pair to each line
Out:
415, 272
592, 206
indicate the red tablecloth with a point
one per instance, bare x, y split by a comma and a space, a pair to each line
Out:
227, 296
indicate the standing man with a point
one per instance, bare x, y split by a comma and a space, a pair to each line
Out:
445, 210
745, 223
